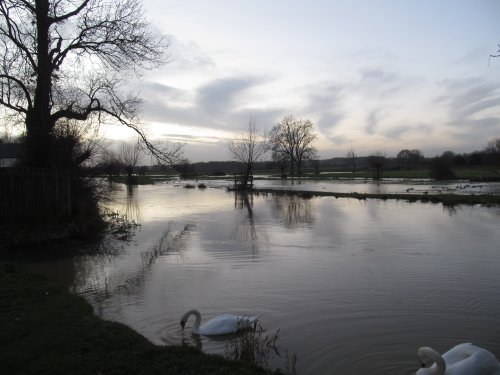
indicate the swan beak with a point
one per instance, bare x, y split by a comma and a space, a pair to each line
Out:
422, 364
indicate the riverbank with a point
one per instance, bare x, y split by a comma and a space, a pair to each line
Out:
446, 199
46, 330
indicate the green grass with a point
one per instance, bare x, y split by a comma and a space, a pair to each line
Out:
46, 330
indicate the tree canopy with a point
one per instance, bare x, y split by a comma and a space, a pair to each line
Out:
291, 140
69, 60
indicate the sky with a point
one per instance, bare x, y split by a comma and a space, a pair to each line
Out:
377, 76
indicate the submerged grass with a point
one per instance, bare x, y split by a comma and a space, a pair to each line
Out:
46, 330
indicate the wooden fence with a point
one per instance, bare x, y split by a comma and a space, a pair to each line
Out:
34, 195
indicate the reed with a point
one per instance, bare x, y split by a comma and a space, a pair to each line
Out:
255, 346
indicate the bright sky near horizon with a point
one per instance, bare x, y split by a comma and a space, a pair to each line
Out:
379, 75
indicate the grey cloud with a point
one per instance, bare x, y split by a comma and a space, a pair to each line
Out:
377, 76
329, 120
324, 100
159, 110
265, 118
219, 96
398, 131
468, 97
475, 133
473, 108
379, 83
150, 88
213, 105
193, 138
340, 140
188, 55
372, 122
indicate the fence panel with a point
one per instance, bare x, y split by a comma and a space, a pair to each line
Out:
34, 195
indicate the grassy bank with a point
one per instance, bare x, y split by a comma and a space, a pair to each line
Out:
446, 199
46, 330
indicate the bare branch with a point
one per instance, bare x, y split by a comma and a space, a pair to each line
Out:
291, 141
67, 59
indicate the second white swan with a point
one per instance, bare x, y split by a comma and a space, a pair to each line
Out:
463, 359
220, 325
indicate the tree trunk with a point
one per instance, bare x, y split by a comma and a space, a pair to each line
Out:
38, 122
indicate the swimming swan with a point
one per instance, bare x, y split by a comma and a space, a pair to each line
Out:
463, 359
220, 325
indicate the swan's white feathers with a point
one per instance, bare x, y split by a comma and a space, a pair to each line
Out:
226, 323
465, 359
220, 325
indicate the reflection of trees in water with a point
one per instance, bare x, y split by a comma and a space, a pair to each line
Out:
451, 209
132, 210
172, 243
97, 278
293, 211
246, 229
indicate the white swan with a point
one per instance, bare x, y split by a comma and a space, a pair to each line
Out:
220, 325
463, 359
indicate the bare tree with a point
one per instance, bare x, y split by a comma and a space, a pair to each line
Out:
69, 59
129, 156
291, 140
351, 158
492, 150
109, 163
377, 161
248, 147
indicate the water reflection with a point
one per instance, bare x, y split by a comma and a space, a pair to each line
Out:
292, 211
245, 229
171, 243
132, 211
380, 278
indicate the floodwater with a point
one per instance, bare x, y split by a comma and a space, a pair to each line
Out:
367, 186
354, 287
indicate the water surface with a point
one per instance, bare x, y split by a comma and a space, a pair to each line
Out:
355, 287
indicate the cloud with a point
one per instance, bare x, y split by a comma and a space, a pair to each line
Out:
473, 109
397, 132
372, 122
375, 83
219, 96
190, 138
217, 104
469, 97
187, 55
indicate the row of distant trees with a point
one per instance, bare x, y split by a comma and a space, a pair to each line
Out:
440, 166
290, 143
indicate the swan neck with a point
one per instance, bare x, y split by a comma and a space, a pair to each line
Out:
440, 368
197, 316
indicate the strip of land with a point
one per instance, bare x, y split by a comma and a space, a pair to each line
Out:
446, 199
46, 330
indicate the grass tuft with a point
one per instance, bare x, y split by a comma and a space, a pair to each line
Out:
253, 345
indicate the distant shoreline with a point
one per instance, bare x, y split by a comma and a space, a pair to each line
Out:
446, 199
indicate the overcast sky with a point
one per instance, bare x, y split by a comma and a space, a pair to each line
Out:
378, 75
